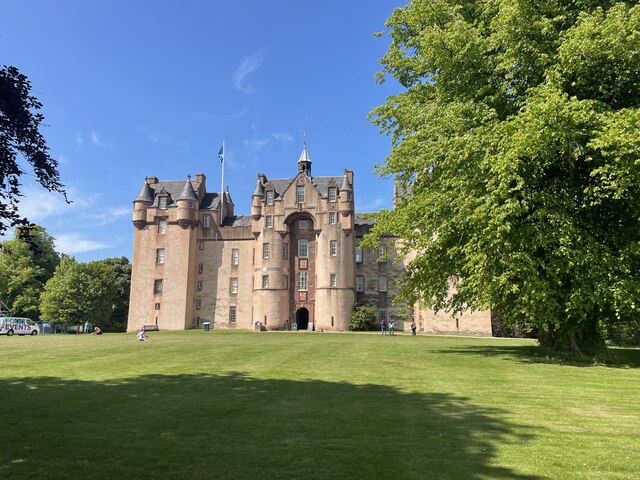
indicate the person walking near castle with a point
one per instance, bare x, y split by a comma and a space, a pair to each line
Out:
413, 328
392, 327
383, 327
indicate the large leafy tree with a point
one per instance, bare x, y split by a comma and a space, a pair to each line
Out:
516, 149
23, 149
121, 269
79, 292
25, 267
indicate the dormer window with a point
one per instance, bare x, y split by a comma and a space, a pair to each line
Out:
333, 194
300, 194
269, 197
163, 202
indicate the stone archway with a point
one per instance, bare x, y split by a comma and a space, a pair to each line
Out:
302, 318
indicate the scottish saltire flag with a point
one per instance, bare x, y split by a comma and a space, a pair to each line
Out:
221, 154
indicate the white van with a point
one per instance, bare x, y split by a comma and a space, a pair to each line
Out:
20, 326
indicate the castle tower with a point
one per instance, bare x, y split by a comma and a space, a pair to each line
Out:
164, 259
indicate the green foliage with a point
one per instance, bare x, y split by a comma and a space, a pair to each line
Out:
121, 269
363, 319
516, 142
20, 122
79, 292
27, 262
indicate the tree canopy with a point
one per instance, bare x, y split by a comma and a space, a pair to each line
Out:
20, 139
515, 147
121, 270
25, 267
79, 292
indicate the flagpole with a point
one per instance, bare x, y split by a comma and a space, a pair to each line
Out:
222, 188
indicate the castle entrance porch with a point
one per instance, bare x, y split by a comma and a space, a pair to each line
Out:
302, 318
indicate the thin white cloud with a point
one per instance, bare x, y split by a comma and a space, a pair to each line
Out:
247, 66
158, 137
283, 137
95, 139
39, 205
256, 146
73, 243
107, 216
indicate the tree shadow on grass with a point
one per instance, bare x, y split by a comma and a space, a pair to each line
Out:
234, 426
615, 357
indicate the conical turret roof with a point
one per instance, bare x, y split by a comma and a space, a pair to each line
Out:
259, 190
145, 195
188, 193
344, 186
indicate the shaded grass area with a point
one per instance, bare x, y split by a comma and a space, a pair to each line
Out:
278, 405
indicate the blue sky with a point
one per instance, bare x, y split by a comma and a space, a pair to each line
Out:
138, 88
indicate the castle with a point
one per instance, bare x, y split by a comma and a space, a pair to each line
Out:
295, 262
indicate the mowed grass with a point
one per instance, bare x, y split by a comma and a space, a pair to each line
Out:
249, 405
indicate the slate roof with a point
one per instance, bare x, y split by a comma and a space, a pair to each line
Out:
173, 188
188, 193
237, 221
145, 195
360, 219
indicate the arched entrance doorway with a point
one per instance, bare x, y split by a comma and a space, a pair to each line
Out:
302, 318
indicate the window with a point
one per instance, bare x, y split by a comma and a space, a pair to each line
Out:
233, 286
332, 218
265, 250
285, 281
358, 255
200, 245
157, 287
303, 248
303, 224
162, 202
235, 254
333, 280
232, 315
382, 253
333, 194
200, 267
382, 283
333, 248
162, 227
268, 221
198, 304
157, 306
160, 255
191, 204
265, 281
269, 197
303, 281
359, 283
199, 285
300, 194
206, 221
382, 313
348, 196
285, 251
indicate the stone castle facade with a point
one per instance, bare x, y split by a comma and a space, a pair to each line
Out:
294, 261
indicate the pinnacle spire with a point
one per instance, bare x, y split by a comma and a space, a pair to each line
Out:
304, 162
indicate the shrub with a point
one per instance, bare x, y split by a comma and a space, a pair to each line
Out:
363, 319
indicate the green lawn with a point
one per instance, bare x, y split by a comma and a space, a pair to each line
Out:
266, 405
